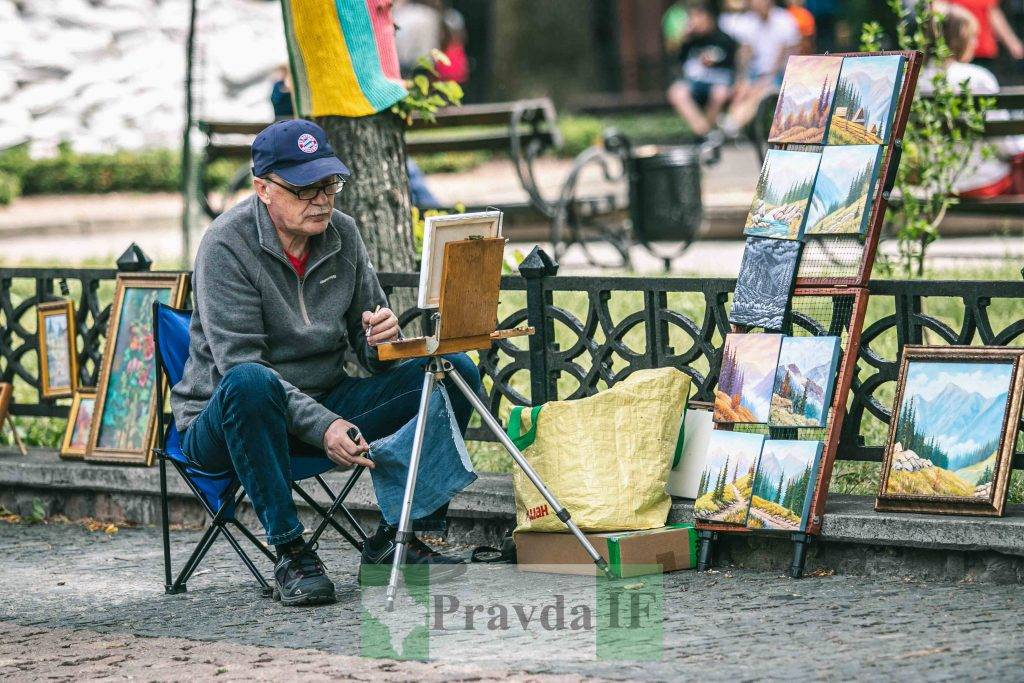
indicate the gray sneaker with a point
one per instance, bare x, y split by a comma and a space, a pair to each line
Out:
300, 579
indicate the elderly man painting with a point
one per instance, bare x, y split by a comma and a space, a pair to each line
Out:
283, 288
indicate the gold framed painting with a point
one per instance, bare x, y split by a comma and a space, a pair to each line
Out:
123, 426
953, 430
58, 350
76, 434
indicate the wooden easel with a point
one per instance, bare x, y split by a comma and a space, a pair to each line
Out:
6, 391
466, 319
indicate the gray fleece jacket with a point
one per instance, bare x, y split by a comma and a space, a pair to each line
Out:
252, 307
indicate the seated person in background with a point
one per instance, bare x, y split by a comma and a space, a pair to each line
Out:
708, 63
283, 287
981, 177
771, 36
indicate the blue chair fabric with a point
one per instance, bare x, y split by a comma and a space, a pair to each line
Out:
219, 490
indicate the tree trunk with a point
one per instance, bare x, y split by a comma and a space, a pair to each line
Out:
377, 193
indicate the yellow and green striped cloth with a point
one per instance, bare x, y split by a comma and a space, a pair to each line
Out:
342, 55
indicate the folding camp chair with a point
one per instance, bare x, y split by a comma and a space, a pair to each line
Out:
221, 492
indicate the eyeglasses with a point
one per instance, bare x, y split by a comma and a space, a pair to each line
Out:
311, 191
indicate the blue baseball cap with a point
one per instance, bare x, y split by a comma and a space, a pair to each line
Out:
297, 151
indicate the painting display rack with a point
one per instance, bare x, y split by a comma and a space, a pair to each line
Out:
832, 301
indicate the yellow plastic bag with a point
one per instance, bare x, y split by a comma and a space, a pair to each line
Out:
606, 458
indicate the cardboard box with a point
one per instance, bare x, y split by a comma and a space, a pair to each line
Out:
628, 553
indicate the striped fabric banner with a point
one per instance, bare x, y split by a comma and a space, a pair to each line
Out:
342, 55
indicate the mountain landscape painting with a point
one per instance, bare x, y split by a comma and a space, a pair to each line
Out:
723, 494
805, 100
949, 429
782, 195
804, 381
844, 190
865, 99
765, 282
746, 378
784, 485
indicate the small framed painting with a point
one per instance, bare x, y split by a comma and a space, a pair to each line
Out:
58, 355
124, 420
438, 231
953, 430
76, 434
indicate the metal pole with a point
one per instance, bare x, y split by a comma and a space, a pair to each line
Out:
495, 427
187, 172
404, 532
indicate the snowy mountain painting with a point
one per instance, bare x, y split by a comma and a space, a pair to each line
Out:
804, 382
723, 494
765, 282
805, 99
865, 99
782, 194
950, 424
744, 390
844, 190
784, 485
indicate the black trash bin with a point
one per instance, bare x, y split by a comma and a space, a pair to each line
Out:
664, 194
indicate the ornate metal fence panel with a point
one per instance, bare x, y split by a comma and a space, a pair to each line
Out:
591, 333
21, 290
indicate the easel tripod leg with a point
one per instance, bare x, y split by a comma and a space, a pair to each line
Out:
495, 427
404, 534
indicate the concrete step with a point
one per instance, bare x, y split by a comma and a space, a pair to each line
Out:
854, 540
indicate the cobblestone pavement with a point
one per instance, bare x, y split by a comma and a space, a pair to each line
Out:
727, 625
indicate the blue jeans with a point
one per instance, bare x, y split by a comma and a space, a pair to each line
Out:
244, 428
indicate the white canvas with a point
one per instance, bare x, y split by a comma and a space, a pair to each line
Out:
684, 478
439, 231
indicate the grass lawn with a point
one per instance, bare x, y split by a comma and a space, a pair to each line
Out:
848, 477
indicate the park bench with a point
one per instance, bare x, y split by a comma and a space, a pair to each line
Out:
1009, 99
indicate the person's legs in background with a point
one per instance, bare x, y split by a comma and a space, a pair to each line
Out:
687, 98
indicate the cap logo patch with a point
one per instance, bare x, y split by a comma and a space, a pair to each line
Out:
308, 143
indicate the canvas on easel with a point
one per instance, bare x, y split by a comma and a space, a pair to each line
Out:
439, 231
469, 283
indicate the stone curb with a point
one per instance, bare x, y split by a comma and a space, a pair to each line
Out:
487, 506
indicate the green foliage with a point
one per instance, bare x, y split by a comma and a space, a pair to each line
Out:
10, 188
941, 136
427, 93
153, 170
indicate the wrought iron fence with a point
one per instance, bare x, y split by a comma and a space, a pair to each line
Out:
591, 333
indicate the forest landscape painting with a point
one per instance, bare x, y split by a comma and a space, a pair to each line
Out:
948, 439
782, 194
746, 378
844, 190
865, 99
804, 381
805, 99
723, 494
784, 485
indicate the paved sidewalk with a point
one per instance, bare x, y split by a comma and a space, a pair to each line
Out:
727, 625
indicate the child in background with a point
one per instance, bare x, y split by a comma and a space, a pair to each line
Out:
708, 64
982, 178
